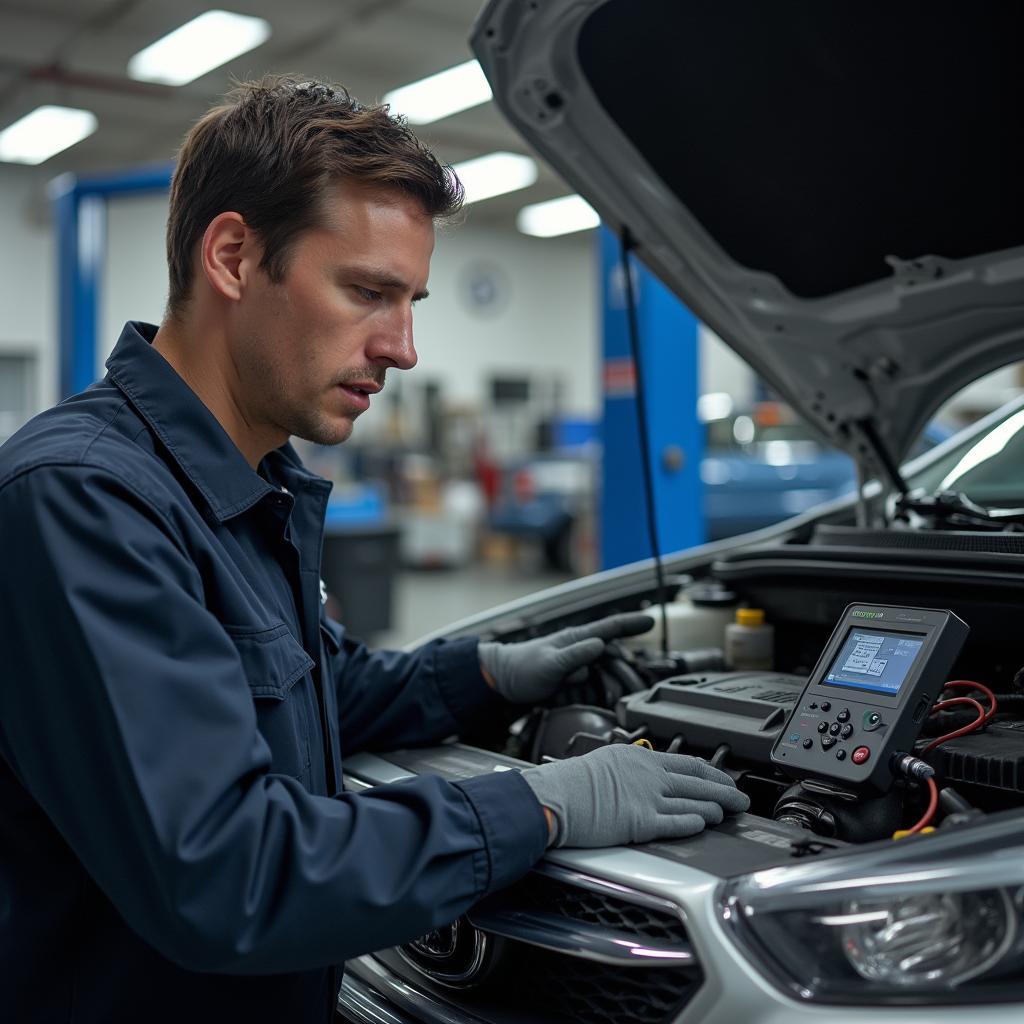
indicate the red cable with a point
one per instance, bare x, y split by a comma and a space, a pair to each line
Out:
970, 727
982, 719
970, 684
933, 803
983, 715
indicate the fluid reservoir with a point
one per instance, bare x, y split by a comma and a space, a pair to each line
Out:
750, 641
696, 618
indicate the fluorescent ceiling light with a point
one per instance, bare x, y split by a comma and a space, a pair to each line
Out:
495, 174
46, 131
441, 95
198, 46
557, 217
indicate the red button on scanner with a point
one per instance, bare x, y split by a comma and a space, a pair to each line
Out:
860, 755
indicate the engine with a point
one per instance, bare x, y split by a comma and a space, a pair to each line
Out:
691, 702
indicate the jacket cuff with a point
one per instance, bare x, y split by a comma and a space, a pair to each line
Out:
461, 683
512, 822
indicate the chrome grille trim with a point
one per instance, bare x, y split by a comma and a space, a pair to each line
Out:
603, 887
586, 941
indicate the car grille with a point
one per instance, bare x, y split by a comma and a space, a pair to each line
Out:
580, 990
561, 944
550, 893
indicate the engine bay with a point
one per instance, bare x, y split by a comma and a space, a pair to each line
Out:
691, 699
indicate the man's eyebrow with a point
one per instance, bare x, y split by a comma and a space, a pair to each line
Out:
382, 279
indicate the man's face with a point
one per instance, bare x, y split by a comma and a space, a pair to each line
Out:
310, 351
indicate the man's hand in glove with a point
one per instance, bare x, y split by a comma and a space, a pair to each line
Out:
533, 670
627, 794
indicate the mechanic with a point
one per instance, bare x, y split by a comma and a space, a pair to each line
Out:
175, 842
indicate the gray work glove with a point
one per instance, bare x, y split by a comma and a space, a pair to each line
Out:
533, 670
627, 794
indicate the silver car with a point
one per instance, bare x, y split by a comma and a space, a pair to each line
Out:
836, 190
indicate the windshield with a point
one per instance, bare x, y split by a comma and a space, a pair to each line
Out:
988, 468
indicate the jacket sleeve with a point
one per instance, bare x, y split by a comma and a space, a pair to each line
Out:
125, 712
391, 699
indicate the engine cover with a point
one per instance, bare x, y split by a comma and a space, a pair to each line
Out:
993, 758
747, 710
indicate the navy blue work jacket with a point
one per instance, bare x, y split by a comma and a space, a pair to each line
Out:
174, 705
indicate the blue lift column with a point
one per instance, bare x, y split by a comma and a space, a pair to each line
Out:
80, 213
670, 361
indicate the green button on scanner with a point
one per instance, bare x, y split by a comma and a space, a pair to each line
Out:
872, 720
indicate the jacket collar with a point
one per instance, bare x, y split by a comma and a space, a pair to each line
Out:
190, 432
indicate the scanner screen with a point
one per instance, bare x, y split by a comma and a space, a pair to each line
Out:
874, 660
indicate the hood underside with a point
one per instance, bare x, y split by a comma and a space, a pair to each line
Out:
836, 189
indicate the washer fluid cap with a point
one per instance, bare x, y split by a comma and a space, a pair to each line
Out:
750, 616
710, 595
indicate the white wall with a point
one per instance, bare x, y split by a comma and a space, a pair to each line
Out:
535, 311
543, 319
983, 396
135, 269
28, 278
722, 370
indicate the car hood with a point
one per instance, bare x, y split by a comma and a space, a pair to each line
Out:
834, 188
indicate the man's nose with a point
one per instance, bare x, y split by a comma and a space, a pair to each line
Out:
394, 343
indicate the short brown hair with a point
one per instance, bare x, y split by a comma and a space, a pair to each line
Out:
270, 153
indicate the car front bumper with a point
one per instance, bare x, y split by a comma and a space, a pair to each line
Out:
721, 985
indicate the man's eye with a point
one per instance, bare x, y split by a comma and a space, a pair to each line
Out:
368, 294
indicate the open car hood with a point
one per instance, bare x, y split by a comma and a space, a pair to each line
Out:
834, 188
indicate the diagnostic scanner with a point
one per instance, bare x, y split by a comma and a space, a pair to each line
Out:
869, 693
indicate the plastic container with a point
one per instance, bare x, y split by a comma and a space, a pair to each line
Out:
696, 618
750, 641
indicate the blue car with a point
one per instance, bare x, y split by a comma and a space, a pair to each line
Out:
758, 468
764, 467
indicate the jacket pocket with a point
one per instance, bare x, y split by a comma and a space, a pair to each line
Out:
272, 659
275, 665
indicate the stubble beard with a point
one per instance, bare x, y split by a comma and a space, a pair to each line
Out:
313, 423
307, 421
320, 428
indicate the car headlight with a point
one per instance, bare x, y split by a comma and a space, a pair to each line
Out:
938, 919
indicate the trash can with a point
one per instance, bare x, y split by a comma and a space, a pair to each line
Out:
360, 560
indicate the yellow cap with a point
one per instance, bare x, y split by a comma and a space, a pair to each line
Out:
904, 832
750, 616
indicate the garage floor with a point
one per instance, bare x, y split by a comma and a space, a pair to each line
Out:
428, 599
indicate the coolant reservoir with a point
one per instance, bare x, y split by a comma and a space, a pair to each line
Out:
750, 641
696, 618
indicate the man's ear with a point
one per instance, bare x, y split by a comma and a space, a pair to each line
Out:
229, 254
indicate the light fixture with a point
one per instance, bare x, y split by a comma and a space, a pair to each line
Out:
46, 131
495, 174
557, 217
441, 95
714, 405
198, 46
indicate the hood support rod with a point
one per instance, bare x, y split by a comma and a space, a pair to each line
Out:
890, 470
626, 245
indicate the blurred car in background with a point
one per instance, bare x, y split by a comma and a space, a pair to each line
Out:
760, 465
764, 465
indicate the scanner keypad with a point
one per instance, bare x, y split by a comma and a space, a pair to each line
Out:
834, 728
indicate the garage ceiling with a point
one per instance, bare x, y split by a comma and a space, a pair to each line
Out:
75, 53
